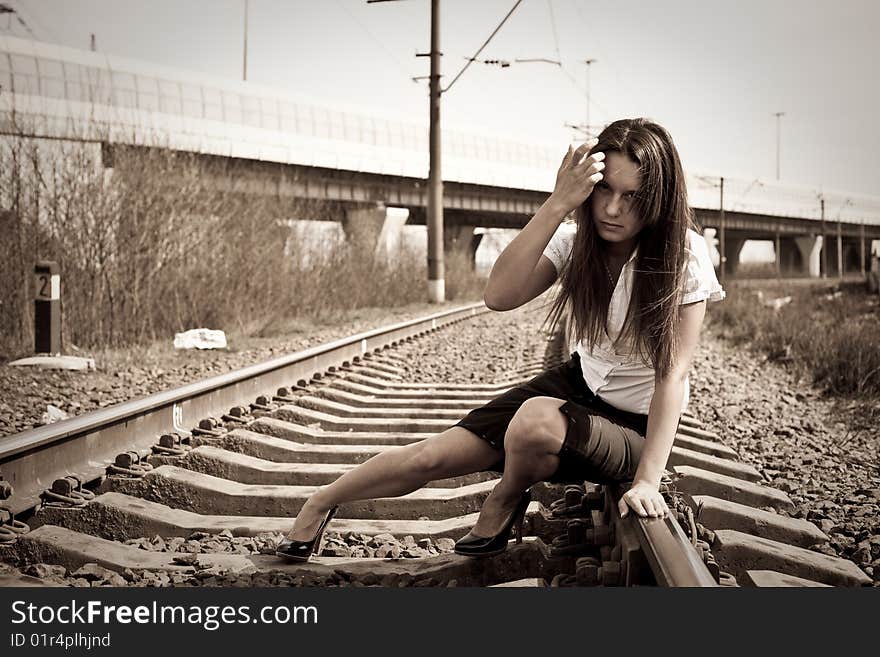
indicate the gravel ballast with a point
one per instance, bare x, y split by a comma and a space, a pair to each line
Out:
802, 443
127, 374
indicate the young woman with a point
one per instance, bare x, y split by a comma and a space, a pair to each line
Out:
634, 277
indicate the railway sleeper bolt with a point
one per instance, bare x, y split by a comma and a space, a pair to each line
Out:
237, 414
170, 440
573, 495
283, 394
171, 444
209, 426
129, 464
713, 568
10, 528
576, 530
5, 489
587, 571
560, 546
559, 509
68, 491
262, 403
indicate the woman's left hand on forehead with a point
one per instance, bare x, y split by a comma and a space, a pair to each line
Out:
645, 500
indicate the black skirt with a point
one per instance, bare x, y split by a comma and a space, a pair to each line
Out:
602, 443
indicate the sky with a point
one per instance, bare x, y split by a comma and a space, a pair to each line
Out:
713, 73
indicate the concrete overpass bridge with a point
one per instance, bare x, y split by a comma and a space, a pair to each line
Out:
358, 164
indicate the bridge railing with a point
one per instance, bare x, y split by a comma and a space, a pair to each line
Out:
224, 117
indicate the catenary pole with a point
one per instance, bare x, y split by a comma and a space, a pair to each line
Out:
436, 274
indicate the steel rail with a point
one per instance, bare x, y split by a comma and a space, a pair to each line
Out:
86, 444
669, 553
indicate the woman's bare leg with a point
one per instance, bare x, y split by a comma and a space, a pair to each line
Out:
531, 445
398, 471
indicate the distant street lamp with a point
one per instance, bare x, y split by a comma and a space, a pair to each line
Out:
777, 115
244, 63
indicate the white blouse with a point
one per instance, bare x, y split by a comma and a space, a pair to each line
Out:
620, 378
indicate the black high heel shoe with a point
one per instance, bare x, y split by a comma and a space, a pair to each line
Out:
302, 550
472, 545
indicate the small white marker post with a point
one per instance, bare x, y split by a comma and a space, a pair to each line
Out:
47, 308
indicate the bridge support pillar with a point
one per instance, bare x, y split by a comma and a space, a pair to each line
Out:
810, 247
374, 229
362, 225
852, 258
711, 237
389, 242
732, 248
789, 257
459, 238
476, 239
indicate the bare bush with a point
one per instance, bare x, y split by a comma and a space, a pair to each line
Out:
152, 241
829, 333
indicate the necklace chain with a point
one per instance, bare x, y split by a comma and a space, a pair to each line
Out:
608, 271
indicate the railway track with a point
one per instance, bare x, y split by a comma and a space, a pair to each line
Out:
195, 485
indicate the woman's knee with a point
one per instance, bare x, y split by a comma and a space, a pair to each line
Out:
538, 426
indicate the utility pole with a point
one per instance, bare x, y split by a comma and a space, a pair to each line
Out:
862, 248
588, 62
244, 63
722, 259
436, 280
778, 254
777, 115
824, 239
93, 43
436, 273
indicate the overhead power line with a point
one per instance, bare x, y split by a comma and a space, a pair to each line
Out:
477, 54
373, 37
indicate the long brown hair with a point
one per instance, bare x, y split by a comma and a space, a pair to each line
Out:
651, 323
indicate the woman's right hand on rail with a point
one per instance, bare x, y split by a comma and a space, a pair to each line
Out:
575, 179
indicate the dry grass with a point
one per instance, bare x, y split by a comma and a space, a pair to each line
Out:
154, 246
830, 332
